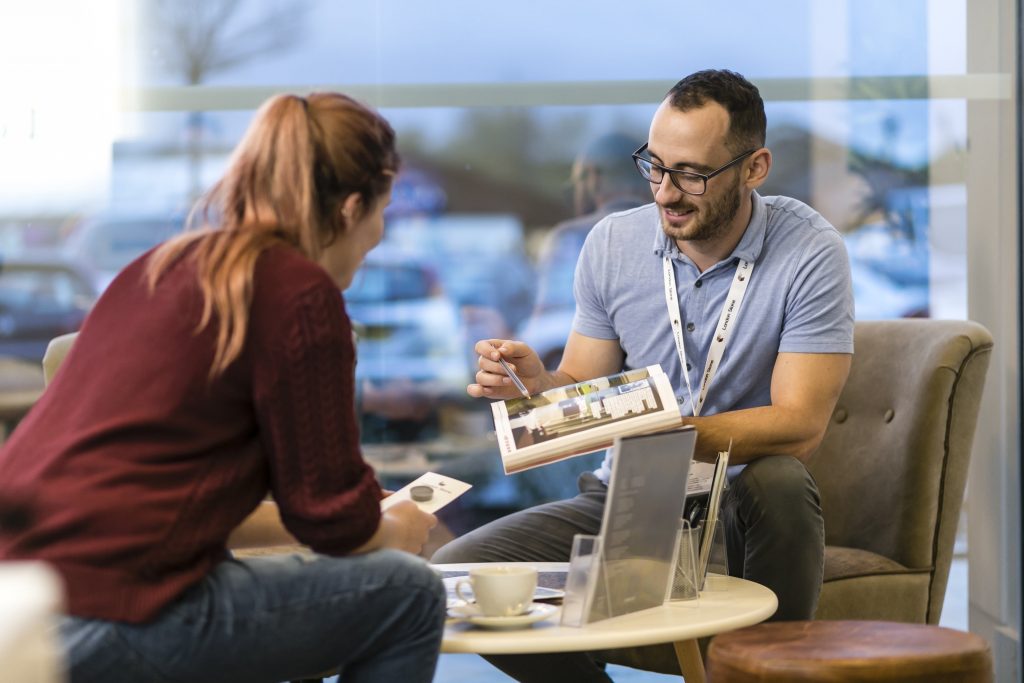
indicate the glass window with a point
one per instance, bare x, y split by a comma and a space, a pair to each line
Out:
492, 104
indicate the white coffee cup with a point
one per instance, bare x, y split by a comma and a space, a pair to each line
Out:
500, 590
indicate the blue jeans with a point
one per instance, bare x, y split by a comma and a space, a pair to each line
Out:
373, 617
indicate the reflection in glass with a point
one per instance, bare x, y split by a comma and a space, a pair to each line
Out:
495, 199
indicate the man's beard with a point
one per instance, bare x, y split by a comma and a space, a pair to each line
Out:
710, 222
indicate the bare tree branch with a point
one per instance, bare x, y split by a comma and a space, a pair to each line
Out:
198, 38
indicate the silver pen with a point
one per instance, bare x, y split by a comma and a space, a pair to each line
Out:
515, 380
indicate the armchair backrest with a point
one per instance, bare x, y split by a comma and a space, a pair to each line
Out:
55, 352
893, 465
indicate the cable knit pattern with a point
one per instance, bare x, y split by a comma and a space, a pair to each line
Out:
327, 494
138, 466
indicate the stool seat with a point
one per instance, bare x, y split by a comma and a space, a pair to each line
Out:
848, 651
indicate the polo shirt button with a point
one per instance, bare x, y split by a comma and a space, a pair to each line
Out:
698, 283
690, 327
689, 367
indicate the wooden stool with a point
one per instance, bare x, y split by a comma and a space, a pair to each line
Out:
848, 651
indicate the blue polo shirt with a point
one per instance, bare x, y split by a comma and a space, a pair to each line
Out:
799, 299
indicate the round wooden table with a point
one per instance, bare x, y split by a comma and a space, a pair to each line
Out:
726, 604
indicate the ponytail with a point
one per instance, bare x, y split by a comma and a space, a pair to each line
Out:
297, 162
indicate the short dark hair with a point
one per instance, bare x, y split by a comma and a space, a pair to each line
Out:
739, 97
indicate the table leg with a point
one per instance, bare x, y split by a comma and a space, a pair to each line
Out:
690, 662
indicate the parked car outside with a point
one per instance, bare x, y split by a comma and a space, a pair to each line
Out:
410, 345
480, 258
890, 259
105, 243
408, 328
41, 297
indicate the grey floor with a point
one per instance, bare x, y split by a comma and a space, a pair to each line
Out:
470, 668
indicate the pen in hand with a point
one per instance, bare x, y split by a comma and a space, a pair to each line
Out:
515, 379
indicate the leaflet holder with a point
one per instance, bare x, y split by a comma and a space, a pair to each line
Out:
630, 565
686, 582
717, 558
585, 573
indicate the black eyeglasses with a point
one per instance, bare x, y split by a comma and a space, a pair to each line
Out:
687, 181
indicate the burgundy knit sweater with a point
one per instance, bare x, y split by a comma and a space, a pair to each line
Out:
138, 465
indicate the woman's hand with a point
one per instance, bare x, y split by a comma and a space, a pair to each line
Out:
403, 526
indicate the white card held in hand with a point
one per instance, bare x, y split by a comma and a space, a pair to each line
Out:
431, 492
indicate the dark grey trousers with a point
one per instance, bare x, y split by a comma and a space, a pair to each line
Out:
775, 536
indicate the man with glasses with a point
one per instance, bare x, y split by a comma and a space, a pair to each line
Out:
746, 303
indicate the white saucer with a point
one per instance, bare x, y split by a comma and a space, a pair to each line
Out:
470, 612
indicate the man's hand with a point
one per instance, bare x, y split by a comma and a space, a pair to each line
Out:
584, 358
491, 380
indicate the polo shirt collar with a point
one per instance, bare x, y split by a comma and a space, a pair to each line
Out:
749, 247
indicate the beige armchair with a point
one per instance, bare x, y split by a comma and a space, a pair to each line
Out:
891, 470
893, 467
56, 350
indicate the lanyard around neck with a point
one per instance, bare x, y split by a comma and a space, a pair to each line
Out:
730, 310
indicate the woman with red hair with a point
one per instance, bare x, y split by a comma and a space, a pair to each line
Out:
214, 370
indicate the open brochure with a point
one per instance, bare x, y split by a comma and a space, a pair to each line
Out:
584, 417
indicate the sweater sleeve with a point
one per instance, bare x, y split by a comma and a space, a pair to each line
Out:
303, 387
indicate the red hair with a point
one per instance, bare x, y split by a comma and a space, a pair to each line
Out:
300, 158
